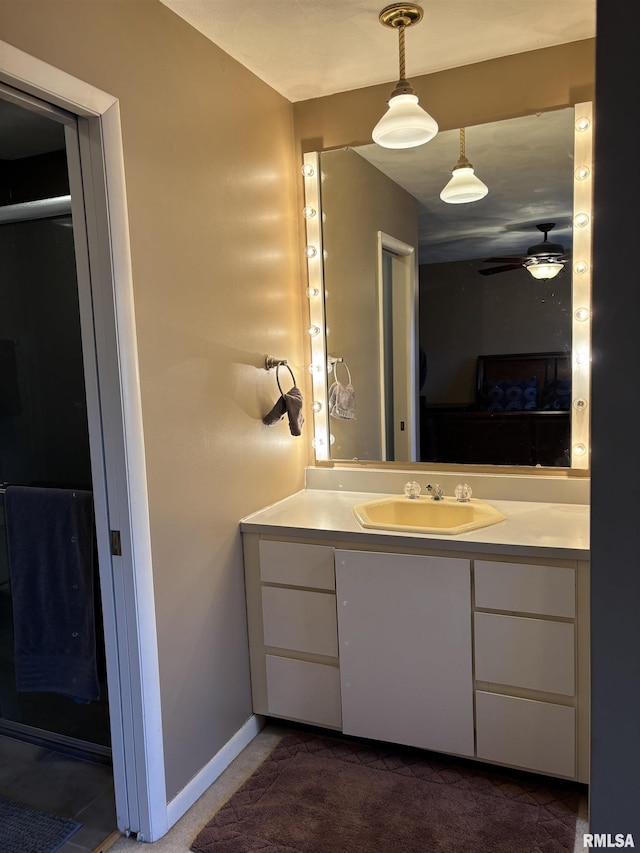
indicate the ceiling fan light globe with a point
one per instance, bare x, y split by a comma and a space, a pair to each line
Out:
405, 124
545, 270
464, 187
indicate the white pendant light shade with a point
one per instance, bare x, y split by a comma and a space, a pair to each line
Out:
544, 270
405, 124
465, 186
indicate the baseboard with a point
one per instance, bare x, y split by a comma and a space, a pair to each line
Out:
183, 801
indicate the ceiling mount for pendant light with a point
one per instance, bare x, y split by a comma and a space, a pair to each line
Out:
405, 124
464, 186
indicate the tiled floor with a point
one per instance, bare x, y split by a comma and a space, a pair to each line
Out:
62, 785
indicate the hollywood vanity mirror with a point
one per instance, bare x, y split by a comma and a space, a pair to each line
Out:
398, 277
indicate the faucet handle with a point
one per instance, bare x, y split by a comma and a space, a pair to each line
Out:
463, 492
412, 489
435, 491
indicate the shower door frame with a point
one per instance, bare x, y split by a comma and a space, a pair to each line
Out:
99, 212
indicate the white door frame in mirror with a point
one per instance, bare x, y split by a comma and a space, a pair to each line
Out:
581, 293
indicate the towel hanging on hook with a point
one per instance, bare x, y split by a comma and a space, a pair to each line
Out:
342, 398
289, 403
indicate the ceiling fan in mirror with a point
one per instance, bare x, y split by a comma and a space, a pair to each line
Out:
543, 260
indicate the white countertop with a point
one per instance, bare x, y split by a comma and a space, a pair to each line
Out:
552, 530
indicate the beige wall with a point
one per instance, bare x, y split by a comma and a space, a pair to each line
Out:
358, 201
208, 152
460, 97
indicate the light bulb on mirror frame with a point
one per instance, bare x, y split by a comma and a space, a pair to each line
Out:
309, 212
310, 251
307, 170
582, 314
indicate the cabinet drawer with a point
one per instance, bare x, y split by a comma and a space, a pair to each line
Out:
304, 691
300, 620
525, 733
532, 653
547, 590
294, 564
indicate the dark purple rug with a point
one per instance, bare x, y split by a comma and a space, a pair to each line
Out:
323, 795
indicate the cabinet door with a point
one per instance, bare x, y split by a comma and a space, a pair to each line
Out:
404, 633
548, 590
523, 652
300, 620
297, 564
526, 733
304, 691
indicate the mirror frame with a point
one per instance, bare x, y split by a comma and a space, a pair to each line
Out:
319, 366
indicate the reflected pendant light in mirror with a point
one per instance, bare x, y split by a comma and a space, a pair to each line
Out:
465, 186
405, 124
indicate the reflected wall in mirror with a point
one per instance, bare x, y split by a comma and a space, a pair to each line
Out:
450, 360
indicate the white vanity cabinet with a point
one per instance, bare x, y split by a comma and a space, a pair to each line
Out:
454, 651
405, 649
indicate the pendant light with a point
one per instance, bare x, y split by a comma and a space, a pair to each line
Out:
464, 185
405, 124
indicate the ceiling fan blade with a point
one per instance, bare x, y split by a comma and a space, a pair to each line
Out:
493, 270
506, 259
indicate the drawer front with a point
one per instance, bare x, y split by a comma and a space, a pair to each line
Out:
533, 653
300, 620
295, 564
547, 590
524, 733
304, 691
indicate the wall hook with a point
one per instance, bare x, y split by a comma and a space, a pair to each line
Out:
270, 362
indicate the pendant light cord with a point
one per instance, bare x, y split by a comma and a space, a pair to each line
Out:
401, 30
462, 152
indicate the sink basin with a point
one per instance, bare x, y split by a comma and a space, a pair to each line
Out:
424, 515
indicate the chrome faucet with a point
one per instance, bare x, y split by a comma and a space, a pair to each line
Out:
435, 491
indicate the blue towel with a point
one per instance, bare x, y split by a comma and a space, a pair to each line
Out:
50, 538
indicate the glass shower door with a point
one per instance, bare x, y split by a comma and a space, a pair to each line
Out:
44, 444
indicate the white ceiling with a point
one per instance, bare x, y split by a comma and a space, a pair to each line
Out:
310, 48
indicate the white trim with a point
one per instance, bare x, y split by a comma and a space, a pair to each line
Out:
403, 250
35, 77
183, 801
122, 427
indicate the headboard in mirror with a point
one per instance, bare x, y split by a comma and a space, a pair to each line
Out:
398, 303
